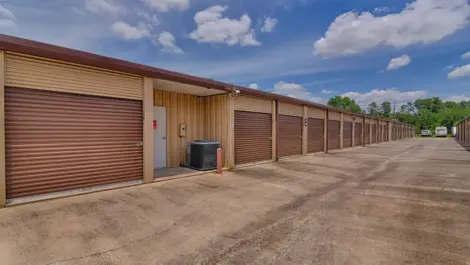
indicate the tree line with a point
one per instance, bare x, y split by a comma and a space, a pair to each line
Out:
424, 114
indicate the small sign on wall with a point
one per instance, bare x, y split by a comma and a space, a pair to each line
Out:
154, 124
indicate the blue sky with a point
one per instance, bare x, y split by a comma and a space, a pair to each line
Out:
310, 49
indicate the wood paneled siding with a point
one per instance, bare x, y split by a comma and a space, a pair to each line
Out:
181, 109
44, 74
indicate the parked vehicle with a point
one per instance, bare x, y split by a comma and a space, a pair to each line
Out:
426, 133
441, 132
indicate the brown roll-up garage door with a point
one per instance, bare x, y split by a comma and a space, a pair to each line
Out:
315, 135
366, 133
374, 133
59, 141
333, 135
290, 135
358, 134
252, 137
347, 134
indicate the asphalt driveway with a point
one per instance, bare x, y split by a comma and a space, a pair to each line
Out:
406, 202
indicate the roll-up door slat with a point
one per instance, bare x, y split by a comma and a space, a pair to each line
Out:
333, 135
357, 134
374, 133
253, 142
290, 135
315, 135
366, 133
347, 134
66, 141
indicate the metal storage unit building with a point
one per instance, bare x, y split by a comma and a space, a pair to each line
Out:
77, 120
253, 130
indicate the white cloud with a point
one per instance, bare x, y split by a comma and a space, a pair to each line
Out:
449, 67
253, 86
6, 14
458, 98
325, 91
295, 91
130, 32
269, 24
461, 71
422, 21
166, 5
466, 55
380, 95
152, 20
383, 9
104, 7
399, 62
213, 28
167, 40
7, 18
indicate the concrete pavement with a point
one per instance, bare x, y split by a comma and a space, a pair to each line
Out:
406, 202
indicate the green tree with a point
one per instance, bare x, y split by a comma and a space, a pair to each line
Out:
386, 109
344, 103
373, 109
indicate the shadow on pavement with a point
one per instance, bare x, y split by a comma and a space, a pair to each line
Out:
464, 145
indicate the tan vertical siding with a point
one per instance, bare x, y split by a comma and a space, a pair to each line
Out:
290, 109
218, 119
253, 104
148, 140
316, 113
43, 74
181, 109
334, 116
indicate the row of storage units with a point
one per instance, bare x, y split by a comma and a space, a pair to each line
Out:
73, 121
268, 130
463, 131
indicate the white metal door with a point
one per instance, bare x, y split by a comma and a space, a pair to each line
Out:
159, 137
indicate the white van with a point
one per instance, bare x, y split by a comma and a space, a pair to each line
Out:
441, 132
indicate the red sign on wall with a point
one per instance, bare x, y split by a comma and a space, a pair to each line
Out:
154, 124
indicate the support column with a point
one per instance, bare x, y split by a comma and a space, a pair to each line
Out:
377, 131
277, 129
274, 130
363, 129
304, 130
3, 193
148, 129
341, 131
370, 131
325, 131
231, 132
354, 131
